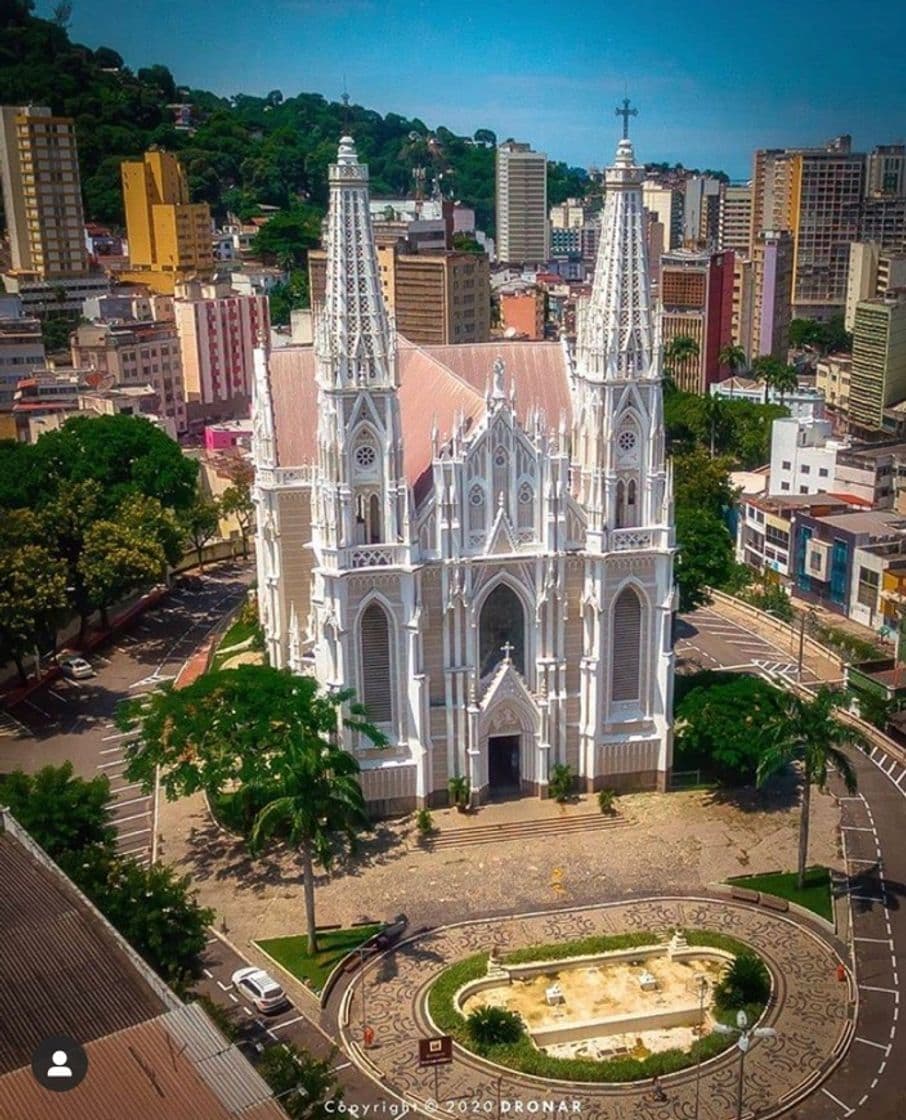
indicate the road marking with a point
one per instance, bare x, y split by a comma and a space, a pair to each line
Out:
115, 762
868, 1042
135, 817
847, 1111
223, 987
40, 711
855, 828
859, 859
345, 1065
112, 750
132, 801
876, 940
288, 1022
122, 789
869, 898
208, 973
887, 991
138, 832
235, 999
118, 735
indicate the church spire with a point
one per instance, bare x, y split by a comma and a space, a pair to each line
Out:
616, 336
355, 345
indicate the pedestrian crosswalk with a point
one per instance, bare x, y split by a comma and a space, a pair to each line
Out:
132, 810
10, 727
779, 670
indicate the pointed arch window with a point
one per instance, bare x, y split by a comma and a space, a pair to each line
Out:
502, 623
374, 520
376, 683
627, 646
476, 509
525, 514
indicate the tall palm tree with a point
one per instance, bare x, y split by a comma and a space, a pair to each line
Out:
767, 369
715, 414
807, 730
734, 357
785, 380
678, 350
315, 801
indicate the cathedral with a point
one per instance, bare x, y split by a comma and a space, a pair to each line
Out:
477, 539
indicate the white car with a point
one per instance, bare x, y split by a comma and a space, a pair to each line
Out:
264, 992
75, 667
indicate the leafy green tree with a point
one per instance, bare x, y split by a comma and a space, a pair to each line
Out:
270, 736
734, 357
32, 600
721, 726
304, 1085
236, 501
701, 482
200, 523
286, 238
287, 297
118, 558
62, 813
775, 375
153, 522
704, 557
152, 907
67, 519
808, 731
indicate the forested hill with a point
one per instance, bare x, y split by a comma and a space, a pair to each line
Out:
245, 150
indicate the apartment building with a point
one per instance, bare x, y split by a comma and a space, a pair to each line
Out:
772, 281
21, 347
735, 222
878, 377
765, 528
803, 457
667, 204
702, 199
832, 378
522, 312
696, 292
872, 272
521, 201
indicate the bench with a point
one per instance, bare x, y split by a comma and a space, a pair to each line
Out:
772, 903
744, 894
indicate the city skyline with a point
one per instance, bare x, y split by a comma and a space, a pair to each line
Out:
701, 103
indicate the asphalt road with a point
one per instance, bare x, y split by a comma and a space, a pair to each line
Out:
73, 720
871, 1080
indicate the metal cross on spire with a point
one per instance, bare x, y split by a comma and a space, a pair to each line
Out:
507, 649
345, 100
626, 113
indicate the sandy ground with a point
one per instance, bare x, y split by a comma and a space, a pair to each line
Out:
677, 842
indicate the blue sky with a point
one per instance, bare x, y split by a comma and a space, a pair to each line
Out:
713, 80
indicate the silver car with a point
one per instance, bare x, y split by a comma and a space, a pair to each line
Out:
75, 667
264, 992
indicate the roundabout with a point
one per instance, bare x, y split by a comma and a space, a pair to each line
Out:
811, 1010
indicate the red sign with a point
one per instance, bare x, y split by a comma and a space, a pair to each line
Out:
435, 1051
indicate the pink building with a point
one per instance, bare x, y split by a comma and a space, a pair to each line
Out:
226, 436
218, 330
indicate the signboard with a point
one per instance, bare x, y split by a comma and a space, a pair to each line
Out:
435, 1051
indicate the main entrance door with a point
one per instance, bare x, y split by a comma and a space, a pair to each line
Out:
503, 765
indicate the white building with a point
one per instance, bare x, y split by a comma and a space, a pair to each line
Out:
803, 404
803, 457
482, 551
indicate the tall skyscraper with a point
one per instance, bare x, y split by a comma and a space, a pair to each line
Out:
697, 302
701, 212
772, 279
816, 194
878, 376
872, 272
169, 236
41, 193
521, 194
667, 203
735, 224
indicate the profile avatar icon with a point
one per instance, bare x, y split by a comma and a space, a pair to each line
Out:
59, 1067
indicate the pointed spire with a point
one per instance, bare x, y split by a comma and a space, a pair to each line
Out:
354, 343
616, 337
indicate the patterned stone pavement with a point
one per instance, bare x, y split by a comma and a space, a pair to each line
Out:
811, 1011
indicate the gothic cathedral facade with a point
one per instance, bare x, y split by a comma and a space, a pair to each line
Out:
478, 540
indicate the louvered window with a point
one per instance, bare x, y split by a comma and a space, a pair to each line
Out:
376, 683
627, 640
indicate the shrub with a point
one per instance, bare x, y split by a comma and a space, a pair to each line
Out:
494, 1026
460, 791
561, 782
424, 822
744, 982
606, 798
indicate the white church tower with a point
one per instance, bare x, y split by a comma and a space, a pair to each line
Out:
625, 489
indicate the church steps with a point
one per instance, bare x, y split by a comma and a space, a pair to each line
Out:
523, 830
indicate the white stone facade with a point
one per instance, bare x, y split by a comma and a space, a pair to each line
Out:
507, 604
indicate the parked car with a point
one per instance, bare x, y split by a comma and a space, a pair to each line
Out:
75, 667
264, 992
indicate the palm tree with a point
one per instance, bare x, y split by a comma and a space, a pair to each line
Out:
807, 729
678, 350
715, 417
734, 357
316, 800
767, 369
785, 380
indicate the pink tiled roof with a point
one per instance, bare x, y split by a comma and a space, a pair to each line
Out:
436, 384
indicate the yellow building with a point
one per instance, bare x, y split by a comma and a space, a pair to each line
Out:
169, 236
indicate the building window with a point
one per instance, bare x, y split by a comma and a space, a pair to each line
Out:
822, 472
502, 624
786, 464
627, 643
784, 486
377, 689
805, 469
803, 489
867, 590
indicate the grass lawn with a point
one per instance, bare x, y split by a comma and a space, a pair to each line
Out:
292, 952
239, 632
815, 896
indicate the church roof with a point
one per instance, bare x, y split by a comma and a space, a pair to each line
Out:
437, 383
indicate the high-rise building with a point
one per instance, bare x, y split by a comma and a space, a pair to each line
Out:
772, 277
169, 236
878, 376
218, 331
697, 302
872, 272
701, 212
667, 204
521, 198
735, 226
42, 196
885, 174
743, 297
21, 347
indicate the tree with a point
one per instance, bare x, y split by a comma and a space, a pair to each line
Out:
286, 238
153, 522
704, 555
236, 500
721, 726
200, 523
67, 518
734, 357
287, 297
118, 558
494, 1026
767, 369
270, 736
701, 482
32, 600
62, 813
745, 981
678, 352
304, 1085
807, 730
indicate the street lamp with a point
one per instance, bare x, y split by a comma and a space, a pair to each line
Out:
744, 1034
703, 987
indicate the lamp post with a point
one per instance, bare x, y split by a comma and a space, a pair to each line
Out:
807, 616
703, 987
744, 1034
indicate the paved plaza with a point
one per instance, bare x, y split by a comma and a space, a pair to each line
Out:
811, 1010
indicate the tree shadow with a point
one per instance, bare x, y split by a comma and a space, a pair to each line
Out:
779, 794
868, 890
